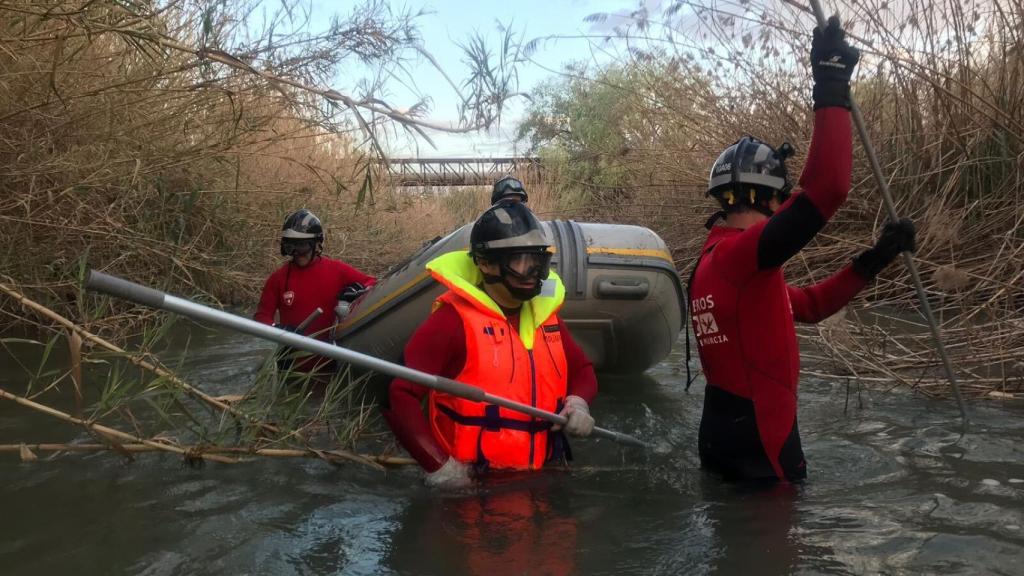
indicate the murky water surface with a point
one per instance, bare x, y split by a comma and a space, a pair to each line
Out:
893, 489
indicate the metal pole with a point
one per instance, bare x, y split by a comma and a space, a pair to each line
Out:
121, 288
908, 258
301, 328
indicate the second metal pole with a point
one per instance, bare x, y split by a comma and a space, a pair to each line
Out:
908, 258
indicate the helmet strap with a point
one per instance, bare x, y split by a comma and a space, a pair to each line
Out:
312, 258
720, 215
314, 252
522, 294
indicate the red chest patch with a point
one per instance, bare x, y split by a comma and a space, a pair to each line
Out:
288, 298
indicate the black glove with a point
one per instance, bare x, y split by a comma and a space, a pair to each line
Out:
832, 63
352, 292
286, 327
896, 237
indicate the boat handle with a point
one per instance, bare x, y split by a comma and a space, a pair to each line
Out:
623, 288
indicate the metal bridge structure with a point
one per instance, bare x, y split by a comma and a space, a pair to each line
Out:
460, 171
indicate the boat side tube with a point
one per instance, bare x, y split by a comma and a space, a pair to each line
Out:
624, 300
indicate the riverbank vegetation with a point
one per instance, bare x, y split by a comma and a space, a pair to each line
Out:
168, 140
941, 86
165, 141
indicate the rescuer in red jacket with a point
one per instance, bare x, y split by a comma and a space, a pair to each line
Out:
307, 281
496, 327
741, 307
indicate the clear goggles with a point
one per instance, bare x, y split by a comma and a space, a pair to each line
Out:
524, 265
297, 246
510, 185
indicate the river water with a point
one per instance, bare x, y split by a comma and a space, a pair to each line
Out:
893, 489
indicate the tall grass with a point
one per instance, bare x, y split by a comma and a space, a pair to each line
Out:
940, 84
168, 140
165, 141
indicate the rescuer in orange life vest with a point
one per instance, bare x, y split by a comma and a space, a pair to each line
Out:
496, 327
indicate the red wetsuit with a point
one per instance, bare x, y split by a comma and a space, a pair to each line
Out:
293, 292
439, 347
743, 313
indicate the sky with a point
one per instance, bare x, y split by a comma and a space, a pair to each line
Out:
448, 22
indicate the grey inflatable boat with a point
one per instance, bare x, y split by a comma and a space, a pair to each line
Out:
624, 300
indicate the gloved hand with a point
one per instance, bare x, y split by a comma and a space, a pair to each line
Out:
832, 64
451, 475
286, 327
352, 292
896, 237
580, 422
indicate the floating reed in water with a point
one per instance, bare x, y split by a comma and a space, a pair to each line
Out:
28, 451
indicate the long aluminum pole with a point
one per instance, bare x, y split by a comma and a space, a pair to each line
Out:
908, 258
124, 289
301, 328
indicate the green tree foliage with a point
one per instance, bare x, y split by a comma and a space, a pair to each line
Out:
600, 132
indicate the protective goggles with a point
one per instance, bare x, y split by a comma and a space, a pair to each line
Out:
297, 246
523, 266
509, 185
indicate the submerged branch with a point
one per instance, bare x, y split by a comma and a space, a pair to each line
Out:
328, 455
169, 377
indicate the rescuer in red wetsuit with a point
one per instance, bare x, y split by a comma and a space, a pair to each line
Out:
741, 307
496, 327
308, 281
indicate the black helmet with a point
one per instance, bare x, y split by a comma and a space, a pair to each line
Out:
506, 187
301, 229
507, 227
750, 171
509, 235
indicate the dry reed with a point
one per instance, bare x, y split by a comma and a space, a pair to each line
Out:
166, 141
941, 84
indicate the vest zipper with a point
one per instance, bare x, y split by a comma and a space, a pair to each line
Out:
512, 351
547, 346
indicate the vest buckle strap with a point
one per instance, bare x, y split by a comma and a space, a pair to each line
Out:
492, 422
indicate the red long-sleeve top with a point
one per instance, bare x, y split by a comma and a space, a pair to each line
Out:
294, 292
439, 347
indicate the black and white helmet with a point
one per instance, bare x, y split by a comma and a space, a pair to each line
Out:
509, 235
507, 227
750, 171
508, 187
301, 228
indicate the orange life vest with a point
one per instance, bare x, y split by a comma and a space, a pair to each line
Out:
527, 366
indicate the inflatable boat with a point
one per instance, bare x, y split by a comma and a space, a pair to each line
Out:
623, 303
